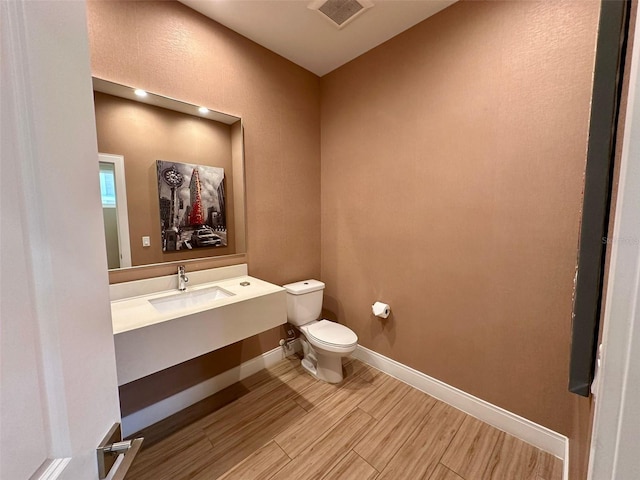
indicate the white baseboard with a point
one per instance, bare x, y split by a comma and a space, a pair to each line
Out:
565, 460
167, 407
526, 430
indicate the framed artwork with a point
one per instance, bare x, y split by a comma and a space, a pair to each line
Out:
192, 206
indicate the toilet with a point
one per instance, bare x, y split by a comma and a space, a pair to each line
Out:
324, 343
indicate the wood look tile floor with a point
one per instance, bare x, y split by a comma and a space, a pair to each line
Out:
287, 425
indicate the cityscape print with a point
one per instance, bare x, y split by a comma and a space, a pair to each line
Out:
192, 206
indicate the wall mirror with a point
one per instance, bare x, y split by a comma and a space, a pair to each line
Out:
171, 178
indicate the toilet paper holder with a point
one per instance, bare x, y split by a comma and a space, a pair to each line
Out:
381, 310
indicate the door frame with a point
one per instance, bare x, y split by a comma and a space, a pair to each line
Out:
124, 241
615, 436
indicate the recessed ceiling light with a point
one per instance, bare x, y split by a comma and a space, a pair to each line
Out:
140, 93
203, 110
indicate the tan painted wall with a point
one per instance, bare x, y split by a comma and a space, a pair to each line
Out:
169, 49
452, 171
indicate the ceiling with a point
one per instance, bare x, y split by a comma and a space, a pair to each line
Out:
302, 35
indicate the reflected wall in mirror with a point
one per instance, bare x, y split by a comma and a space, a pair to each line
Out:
136, 132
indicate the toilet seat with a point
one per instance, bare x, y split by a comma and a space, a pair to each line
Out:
330, 336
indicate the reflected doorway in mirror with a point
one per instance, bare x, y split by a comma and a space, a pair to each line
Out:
192, 206
113, 191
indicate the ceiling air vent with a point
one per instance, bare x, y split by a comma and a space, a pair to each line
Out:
340, 12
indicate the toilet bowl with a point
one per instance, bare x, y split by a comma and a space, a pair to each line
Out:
324, 343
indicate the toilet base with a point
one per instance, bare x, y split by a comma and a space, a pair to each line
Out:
327, 368
309, 367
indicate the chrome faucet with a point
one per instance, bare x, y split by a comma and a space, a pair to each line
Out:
182, 279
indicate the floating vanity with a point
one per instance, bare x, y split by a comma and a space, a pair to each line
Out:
157, 326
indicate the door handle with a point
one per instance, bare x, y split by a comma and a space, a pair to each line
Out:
111, 447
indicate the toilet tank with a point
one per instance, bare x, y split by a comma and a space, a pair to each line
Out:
304, 301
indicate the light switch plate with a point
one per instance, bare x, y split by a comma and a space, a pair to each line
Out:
146, 241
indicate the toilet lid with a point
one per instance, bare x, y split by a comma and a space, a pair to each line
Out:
332, 333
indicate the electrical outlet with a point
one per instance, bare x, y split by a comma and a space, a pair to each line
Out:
146, 241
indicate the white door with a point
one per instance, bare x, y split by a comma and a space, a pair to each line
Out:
616, 432
59, 395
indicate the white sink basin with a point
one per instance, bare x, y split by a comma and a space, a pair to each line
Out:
189, 299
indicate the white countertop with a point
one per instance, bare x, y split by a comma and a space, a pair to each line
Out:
137, 312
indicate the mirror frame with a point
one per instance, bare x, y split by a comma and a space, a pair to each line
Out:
239, 178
